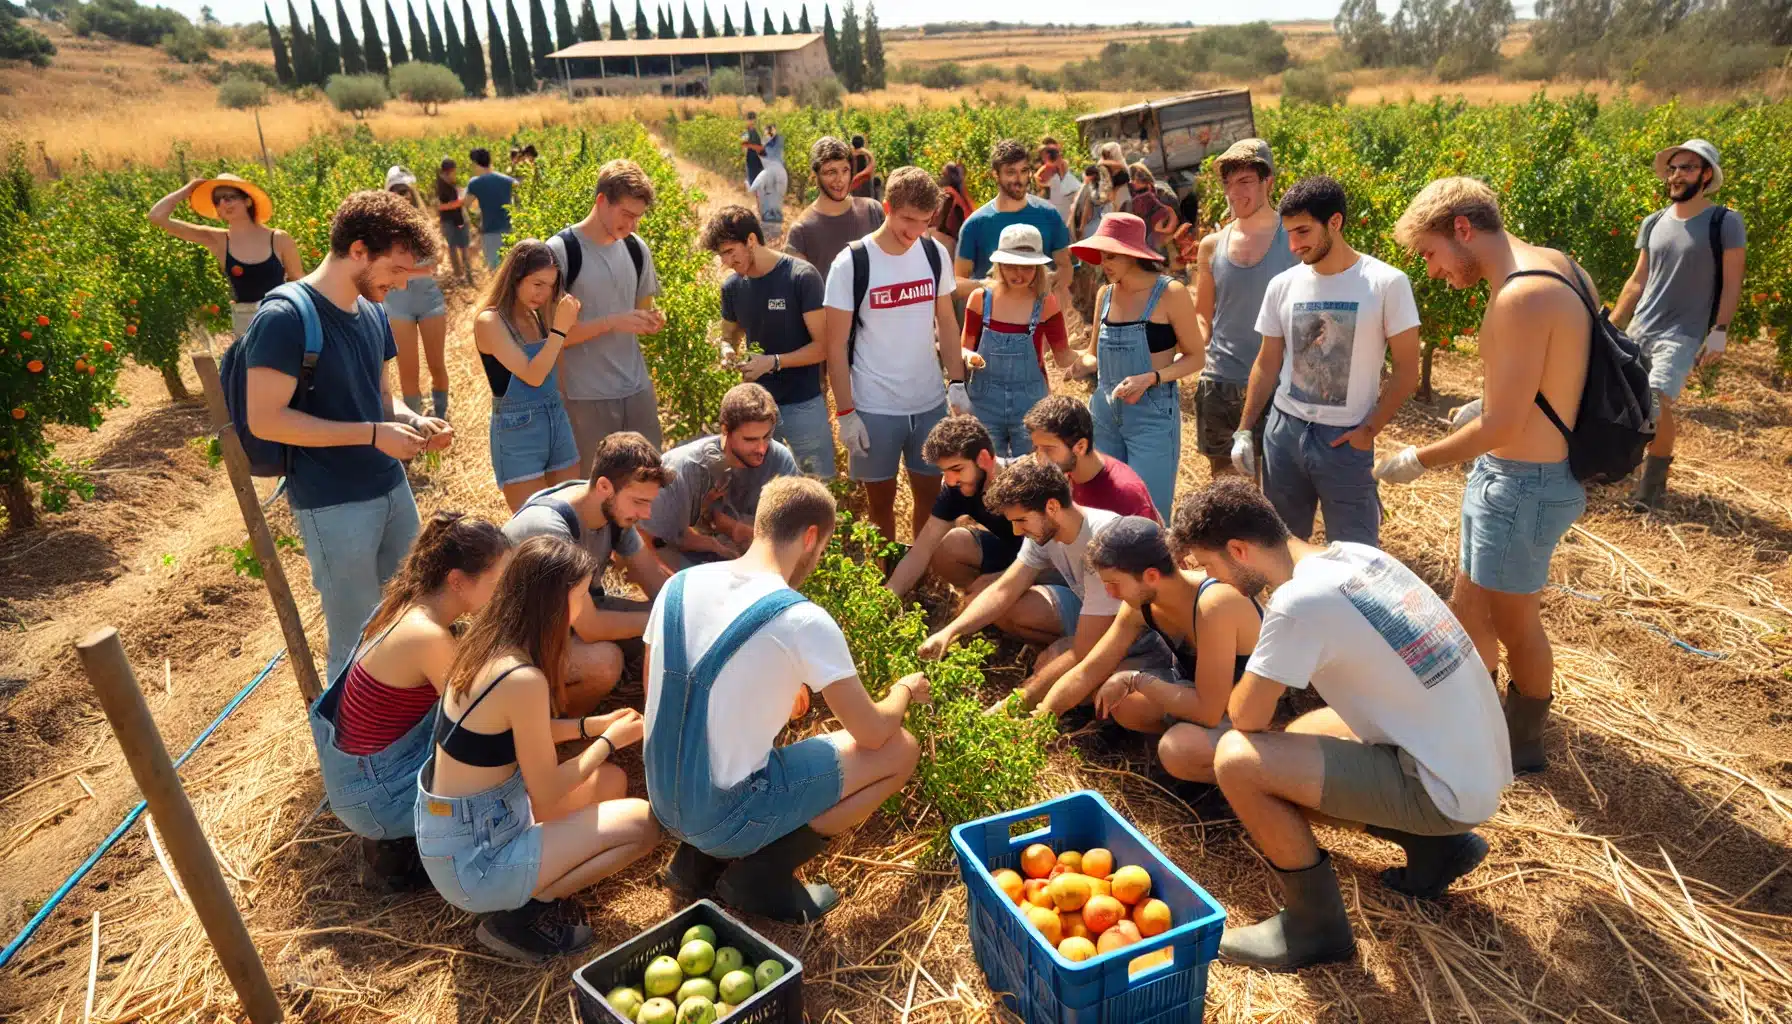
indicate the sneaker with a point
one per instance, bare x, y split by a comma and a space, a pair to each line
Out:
536, 932
392, 865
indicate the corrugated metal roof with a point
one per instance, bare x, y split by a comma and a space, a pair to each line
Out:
688, 47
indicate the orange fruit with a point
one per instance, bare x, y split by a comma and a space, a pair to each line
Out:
1076, 948
18, 413
1162, 956
1152, 917
130, 329
1069, 891
1037, 894
1047, 924
1131, 884
43, 321
1009, 882
1103, 912
106, 345
1037, 861
35, 366
1101, 887
1073, 924
1098, 863
1118, 937
1072, 860
25, 334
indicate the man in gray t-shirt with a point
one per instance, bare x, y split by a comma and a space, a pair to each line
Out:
836, 219
705, 512
1672, 305
602, 372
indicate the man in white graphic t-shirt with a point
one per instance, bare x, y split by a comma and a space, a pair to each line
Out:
889, 295
1327, 324
1411, 745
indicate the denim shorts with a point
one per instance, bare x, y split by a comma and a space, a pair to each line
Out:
492, 242
482, 852
418, 300
797, 785
375, 795
806, 430
1670, 362
894, 440
531, 441
1513, 516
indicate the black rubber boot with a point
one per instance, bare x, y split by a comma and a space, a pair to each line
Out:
1312, 929
1652, 486
536, 932
765, 883
393, 865
1524, 727
1432, 862
692, 873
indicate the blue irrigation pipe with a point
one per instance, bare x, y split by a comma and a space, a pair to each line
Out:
43, 912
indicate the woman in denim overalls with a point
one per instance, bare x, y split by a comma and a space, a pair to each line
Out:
368, 756
531, 436
1006, 376
503, 828
1148, 338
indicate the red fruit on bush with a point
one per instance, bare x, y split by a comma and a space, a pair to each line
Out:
18, 413
25, 334
130, 329
35, 366
43, 321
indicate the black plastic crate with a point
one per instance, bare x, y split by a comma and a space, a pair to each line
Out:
782, 1003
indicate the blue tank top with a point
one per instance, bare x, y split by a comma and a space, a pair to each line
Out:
511, 392
1237, 298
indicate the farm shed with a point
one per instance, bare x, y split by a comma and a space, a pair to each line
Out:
772, 65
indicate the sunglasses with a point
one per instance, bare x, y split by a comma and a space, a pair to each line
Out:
220, 195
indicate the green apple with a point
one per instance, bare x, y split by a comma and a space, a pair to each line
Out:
696, 958
738, 987
695, 987
728, 960
625, 1000
767, 972
663, 977
658, 1011
699, 931
697, 1010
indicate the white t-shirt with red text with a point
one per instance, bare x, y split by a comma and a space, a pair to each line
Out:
895, 368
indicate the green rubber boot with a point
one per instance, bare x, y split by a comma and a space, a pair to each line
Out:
1524, 726
1312, 929
1652, 486
1432, 862
765, 883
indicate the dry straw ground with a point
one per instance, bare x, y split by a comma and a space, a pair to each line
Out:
1642, 879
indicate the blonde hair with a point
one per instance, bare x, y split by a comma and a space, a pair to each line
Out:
1110, 151
912, 188
1038, 288
789, 505
1436, 207
624, 179
1139, 172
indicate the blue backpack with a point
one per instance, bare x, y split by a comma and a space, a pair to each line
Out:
270, 458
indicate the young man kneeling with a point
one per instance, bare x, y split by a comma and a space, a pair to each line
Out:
964, 556
1193, 614
722, 669
1412, 746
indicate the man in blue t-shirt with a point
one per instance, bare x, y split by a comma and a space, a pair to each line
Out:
347, 433
979, 238
492, 192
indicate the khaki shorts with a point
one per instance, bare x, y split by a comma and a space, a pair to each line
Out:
1218, 407
1378, 784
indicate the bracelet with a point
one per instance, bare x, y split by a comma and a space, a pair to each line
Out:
842, 413
373, 434
552, 331
777, 364
582, 733
1157, 377
958, 381
612, 747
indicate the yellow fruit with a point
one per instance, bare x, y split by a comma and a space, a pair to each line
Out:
1102, 913
1037, 893
1162, 956
1098, 863
1036, 861
1074, 925
1076, 948
1118, 937
1072, 860
1131, 884
1009, 882
1069, 891
1047, 924
1100, 886
1152, 917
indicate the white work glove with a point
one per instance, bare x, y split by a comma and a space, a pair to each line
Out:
853, 435
1402, 467
1244, 454
1464, 416
958, 399
1714, 345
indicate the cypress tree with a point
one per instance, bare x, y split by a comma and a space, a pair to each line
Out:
497, 53
282, 65
852, 56
746, 20
352, 61
690, 27
727, 22
522, 78
448, 51
329, 58
373, 51
802, 24
830, 38
419, 40
304, 55
874, 49
641, 29
564, 32
618, 30
668, 28
589, 31
788, 30
541, 43
766, 28
472, 57
396, 50
709, 23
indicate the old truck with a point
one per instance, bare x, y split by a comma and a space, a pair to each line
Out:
1173, 136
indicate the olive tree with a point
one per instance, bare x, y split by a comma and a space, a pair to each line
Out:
427, 85
357, 95
240, 92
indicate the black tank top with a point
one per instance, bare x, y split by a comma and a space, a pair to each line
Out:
1185, 654
251, 282
479, 749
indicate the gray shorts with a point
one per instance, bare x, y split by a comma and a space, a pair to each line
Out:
420, 299
1378, 784
1219, 405
594, 419
895, 440
1513, 516
1670, 362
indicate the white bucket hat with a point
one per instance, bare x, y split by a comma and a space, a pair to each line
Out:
1698, 147
1021, 245
397, 175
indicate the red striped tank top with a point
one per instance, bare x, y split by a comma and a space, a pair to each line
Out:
372, 716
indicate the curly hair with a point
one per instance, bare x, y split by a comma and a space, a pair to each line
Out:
733, 223
747, 403
1006, 152
1231, 508
381, 221
957, 437
1028, 484
1063, 417
1318, 196
826, 150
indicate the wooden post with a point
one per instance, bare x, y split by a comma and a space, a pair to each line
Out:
236, 461
103, 660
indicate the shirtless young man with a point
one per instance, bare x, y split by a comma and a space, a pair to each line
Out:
1521, 497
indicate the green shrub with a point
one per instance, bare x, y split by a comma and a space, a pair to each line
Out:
126, 21
822, 94
358, 95
945, 75
20, 42
727, 82
427, 84
187, 45
218, 71
1312, 86
238, 93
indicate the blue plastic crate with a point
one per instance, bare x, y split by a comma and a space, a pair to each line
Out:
1043, 987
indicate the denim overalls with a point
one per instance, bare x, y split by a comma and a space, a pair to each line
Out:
531, 435
1147, 436
1003, 391
375, 795
796, 785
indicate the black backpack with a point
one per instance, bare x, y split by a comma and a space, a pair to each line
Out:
549, 498
1617, 411
861, 283
1717, 254
575, 256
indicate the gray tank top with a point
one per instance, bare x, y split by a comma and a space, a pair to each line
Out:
1237, 298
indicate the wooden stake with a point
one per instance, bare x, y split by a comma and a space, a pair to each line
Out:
103, 661
236, 461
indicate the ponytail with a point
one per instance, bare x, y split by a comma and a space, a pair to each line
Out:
448, 541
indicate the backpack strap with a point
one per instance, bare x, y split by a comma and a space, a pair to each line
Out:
575, 256
932, 250
299, 298
1717, 261
861, 284
637, 254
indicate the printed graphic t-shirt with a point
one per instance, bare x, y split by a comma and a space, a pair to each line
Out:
1335, 330
895, 368
1386, 654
